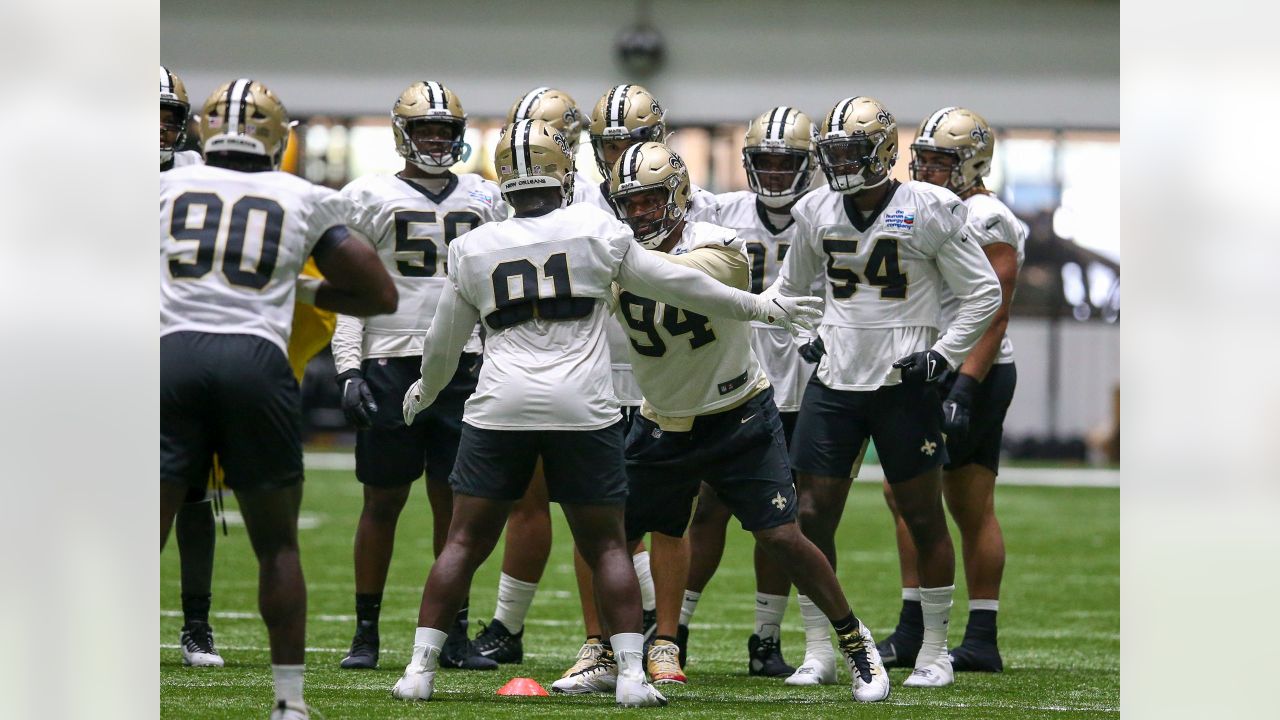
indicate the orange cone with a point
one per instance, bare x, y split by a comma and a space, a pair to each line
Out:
522, 686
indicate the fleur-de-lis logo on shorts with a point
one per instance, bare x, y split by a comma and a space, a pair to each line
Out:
929, 447
779, 501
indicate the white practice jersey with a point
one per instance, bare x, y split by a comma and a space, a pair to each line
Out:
184, 158
702, 208
411, 227
688, 364
883, 278
766, 246
543, 286
990, 222
232, 245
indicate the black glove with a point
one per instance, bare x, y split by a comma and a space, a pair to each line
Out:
922, 367
357, 401
813, 350
956, 408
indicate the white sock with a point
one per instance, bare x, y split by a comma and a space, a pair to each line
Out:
514, 598
935, 604
288, 681
992, 605
648, 598
688, 606
628, 651
912, 594
817, 631
426, 647
769, 612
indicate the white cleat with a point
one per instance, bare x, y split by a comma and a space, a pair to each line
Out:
816, 670
870, 681
417, 683
601, 676
289, 711
637, 692
931, 675
196, 642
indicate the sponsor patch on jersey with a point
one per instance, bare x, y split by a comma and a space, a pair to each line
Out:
900, 219
482, 196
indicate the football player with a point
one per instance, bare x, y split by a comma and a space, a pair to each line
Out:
175, 111
779, 158
953, 149
708, 415
886, 248
528, 539
411, 216
541, 281
233, 238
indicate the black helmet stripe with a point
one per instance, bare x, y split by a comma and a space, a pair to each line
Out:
777, 123
935, 120
237, 95
166, 80
616, 105
526, 103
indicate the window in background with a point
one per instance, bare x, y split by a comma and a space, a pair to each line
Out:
1028, 171
1090, 211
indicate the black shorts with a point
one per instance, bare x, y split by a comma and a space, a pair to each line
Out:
986, 421
741, 453
390, 454
788, 424
233, 395
582, 467
834, 427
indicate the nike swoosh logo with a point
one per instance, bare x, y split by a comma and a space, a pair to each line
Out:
744, 421
730, 240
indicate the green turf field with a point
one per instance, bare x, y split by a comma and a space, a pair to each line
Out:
1060, 622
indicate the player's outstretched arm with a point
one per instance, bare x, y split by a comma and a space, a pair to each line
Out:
693, 290
966, 270
450, 329
355, 281
802, 268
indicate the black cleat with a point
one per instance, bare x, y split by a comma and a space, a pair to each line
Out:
899, 651
766, 658
459, 652
682, 642
363, 654
498, 643
196, 643
649, 625
973, 656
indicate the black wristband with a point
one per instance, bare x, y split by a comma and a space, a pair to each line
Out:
346, 375
962, 391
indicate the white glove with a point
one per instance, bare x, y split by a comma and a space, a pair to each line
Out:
414, 402
790, 313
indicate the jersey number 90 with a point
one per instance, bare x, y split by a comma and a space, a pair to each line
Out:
208, 236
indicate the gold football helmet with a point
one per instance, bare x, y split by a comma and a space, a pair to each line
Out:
554, 107
962, 134
173, 97
778, 155
423, 102
533, 154
243, 116
857, 144
644, 168
629, 114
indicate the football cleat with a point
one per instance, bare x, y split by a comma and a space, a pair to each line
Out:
663, 664
459, 652
363, 654
418, 682
289, 711
588, 654
600, 676
935, 674
870, 680
499, 644
974, 656
898, 651
196, 641
765, 657
636, 692
815, 670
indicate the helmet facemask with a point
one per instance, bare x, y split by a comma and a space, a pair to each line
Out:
852, 164
646, 133
437, 152
177, 126
955, 175
777, 176
651, 226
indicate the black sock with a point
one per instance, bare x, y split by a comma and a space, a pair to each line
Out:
461, 619
195, 608
910, 621
982, 626
368, 608
845, 625
668, 638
